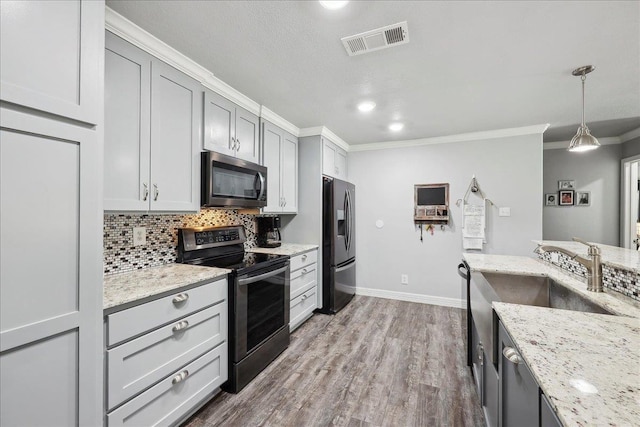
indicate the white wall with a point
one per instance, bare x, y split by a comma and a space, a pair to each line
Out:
597, 171
509, 171
631, 148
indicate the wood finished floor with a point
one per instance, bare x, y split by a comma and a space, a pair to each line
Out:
378, 362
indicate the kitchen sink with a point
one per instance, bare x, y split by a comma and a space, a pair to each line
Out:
540, 291
527, 290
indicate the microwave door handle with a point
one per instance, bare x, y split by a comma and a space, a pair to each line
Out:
260, 178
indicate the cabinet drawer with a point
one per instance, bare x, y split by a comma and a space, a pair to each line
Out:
137, 364
134, 321
303, 279
172, 398
304, 259
302, 308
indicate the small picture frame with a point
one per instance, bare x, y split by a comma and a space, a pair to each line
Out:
566, 185
551, 199
565, 197
583, 198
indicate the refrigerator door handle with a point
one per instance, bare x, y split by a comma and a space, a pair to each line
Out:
346, 220
350, 220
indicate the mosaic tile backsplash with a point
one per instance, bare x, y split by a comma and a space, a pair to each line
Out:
624, 281
120, 255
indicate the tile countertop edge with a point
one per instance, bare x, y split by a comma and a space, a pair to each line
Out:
558, 360
287, 249
130, 287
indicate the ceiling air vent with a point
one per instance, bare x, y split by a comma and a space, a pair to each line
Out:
380, 38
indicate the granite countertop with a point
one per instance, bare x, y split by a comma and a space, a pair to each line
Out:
588, 365
128, 287
563, 347
614, 256
288, 249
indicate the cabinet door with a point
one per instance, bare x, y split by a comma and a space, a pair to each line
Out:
127, 134
272, 143
49, 60
548, 417
328, 158
219, 124
50, 316
518, 388
247, 136
289, 173
175, 135
341, 164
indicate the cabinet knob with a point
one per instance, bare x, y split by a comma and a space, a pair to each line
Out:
180, 298
180, 377
145, 192
156, 192
511, 355
180, 326
304, 257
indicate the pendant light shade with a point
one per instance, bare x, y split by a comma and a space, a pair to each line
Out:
583, 140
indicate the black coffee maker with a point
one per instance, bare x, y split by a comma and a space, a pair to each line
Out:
268, 231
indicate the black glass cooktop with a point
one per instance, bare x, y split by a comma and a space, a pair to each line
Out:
242, 263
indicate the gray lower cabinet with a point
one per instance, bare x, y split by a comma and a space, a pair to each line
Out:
548, 417
171, 356
486, 378
519, 391
50, 214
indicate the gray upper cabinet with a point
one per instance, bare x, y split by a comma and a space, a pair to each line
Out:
230, 129
152, 132
51, 370
280, 156
49, 61
334, 160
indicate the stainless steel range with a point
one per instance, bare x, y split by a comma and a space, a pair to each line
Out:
258, 297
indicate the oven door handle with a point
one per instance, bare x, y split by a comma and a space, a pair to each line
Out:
254, 279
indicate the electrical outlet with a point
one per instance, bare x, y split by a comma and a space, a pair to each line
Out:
404, 279
504, 212
555, 257
139, 236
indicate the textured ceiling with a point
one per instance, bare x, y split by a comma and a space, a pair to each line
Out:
469, 66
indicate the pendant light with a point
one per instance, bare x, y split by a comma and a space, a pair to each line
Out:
583, 140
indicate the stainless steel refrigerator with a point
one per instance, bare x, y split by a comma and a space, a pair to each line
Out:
338, 244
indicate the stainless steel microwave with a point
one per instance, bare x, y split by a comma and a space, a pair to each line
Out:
231, 182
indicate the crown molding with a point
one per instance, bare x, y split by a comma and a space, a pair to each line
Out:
272, 117
122, 27
463, 137
632, 134
327, 133
557, 145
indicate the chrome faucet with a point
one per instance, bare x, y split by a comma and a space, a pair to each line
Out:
592, 264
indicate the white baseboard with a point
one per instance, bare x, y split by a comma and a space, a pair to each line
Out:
405, 296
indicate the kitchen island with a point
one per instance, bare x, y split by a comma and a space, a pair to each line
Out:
587, 365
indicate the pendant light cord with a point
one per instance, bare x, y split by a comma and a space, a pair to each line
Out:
584, 77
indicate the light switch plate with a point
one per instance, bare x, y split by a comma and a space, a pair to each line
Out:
139, 236
504, 211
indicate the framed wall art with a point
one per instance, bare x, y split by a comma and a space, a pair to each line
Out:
565, 197
583, 198
551, 199
566, 185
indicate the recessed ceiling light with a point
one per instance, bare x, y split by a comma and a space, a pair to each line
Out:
333, 5
366, 106
396, 126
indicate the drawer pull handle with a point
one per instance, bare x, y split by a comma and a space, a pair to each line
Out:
304, 257
180, 377
180, 298
304, 271
511, 355
180, 326
304, 297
